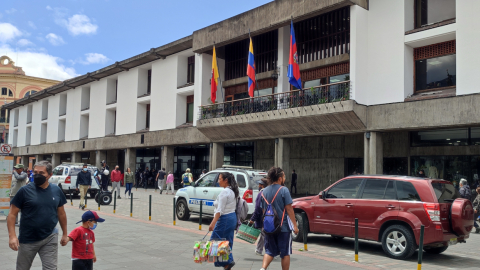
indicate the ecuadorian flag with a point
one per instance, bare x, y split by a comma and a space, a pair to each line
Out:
251, 71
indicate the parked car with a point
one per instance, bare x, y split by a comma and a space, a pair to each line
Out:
206, 190
390, 210
65, 176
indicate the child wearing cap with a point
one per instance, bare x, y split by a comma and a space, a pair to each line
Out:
83, 253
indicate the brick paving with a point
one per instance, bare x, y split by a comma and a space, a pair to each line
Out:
125, 242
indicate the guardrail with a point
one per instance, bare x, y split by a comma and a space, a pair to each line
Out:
297, 98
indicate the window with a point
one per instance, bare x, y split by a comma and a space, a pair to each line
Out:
433, 11
374, 189
195, 157
149, 82
190, 109
346, 189
10, 93
148, 157
58, 171
4, 91
28, 93
191, 69
445, 192
435, 72
241, 181
395, 166
406, 191
208, 180
445, 137
239, 154
147, 121
390, 192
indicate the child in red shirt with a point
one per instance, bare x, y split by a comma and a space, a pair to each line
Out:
83, 253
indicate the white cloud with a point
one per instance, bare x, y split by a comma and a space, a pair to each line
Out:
32, 25
8, 32
80, 24
54, 39
10, 11
49, 8
40, 64
95, 58
24, 43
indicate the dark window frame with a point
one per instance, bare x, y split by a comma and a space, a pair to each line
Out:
149, 81
6, 91
431, 89
191, 69
416, 25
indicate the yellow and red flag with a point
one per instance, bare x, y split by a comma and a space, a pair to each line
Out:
214, 81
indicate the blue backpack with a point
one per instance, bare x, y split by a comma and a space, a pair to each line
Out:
271, 221
186, 179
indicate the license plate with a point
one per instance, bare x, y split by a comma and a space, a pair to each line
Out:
452, 241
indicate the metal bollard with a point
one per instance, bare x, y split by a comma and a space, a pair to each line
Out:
114, 201
150, 207
174, 202
200, 220
98, 206
356, 239
420, 248
305, 233
71, 197
131, 204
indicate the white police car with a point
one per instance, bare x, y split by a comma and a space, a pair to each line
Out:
206, 190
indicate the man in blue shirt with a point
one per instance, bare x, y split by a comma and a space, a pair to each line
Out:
42, 208
279, 197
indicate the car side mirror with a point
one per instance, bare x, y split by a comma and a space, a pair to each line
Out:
323, 195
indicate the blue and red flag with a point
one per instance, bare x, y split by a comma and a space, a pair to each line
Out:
293, 71
251, 71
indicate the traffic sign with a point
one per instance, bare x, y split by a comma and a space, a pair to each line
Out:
5, 149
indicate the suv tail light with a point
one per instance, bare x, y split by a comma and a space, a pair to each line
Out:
433, 211
68, 180
248, 196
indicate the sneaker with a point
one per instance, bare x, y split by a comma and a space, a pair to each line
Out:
119, 197
83, 207
161, 191
258, 253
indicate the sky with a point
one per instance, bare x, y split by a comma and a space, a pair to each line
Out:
66, 38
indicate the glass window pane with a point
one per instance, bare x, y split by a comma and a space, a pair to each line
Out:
406, 191
374, 189
207, 180
390, 193
339, 78
241, 181
190, 113
346, 189
435, 72
312, 83
453, 137
433, 11
263, 92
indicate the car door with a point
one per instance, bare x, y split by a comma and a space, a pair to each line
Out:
203, 190
334, 214
57, 174
376, 204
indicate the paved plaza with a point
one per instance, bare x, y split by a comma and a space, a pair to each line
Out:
135, 242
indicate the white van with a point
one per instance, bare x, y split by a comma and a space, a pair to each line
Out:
65, 176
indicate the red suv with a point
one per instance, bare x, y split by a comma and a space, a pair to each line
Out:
390, 210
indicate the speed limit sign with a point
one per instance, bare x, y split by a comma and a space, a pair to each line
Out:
5, 149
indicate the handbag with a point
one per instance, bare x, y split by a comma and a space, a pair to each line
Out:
248, 233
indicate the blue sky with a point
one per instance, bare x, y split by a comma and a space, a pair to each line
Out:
66, 38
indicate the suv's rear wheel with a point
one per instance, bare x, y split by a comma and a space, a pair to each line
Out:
182, 210
299, 237
398, 242
436, 250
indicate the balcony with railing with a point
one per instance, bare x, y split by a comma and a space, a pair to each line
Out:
322, 109
4, 120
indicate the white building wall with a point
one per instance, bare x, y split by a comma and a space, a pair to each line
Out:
36, 122
203, 74
126, 102
53, 111
359, 54
98, 101
72, 128
22, 125
468, 40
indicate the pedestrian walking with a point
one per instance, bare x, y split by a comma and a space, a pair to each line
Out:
116, 179
82, 237
465, 191
30, 176
279, 198
476, 208
129, 180
84, 182
42, 205
104, 175
294, 182
161, 179
187, 178
224, 221
19, 179
170, 184
257, 217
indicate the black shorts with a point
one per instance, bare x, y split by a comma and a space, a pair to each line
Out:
82, 264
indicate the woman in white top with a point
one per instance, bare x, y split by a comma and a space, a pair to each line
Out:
224, 222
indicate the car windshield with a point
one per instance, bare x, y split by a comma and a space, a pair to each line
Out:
445, 191
58, 171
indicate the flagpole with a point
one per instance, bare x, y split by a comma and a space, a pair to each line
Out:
256, 82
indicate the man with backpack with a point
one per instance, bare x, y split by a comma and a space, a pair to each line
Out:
187, 178
278, 219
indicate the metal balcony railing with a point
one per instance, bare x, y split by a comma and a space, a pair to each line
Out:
4, 120
297, 98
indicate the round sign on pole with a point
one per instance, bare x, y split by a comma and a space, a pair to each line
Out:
5, 149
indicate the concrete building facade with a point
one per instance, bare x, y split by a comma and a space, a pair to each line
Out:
380, 95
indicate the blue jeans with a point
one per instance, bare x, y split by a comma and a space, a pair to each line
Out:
225, 228
128, 187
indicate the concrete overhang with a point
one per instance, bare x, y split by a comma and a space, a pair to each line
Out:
325, 119
265, 18
138, 60
431, 36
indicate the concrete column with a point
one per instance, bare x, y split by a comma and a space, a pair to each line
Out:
283, 53
130, 156
55, 160
99, 156
282, 157
24, 161
373, 153
217, 153
76, 157
167, 158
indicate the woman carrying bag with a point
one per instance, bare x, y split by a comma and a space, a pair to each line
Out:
224, 222
129, 179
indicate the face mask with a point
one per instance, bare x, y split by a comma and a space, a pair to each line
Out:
39, 179
94, 226
84, 169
